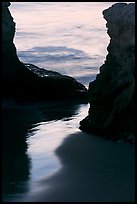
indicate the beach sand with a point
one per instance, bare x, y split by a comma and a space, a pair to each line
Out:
94, 169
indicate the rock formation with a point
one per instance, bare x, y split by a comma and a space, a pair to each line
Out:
112, 93
28, 82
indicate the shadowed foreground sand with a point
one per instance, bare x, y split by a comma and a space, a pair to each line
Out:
93, 170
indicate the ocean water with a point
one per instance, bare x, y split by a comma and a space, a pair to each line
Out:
67, 37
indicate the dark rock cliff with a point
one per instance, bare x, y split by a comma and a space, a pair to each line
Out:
28, 82
112, 93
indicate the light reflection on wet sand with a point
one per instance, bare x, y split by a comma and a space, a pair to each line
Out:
34, 132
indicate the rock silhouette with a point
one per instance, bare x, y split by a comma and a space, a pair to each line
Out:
27, 81
112, 93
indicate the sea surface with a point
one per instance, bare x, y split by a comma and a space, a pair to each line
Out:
70, 38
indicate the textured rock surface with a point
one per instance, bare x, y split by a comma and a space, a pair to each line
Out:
112, 94
8, 48
28, 82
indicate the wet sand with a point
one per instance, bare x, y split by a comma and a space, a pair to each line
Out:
94, 169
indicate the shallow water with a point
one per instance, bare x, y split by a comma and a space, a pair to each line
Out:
47, 158
31, 133
71, 38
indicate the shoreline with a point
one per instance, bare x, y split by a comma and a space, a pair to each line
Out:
93, 170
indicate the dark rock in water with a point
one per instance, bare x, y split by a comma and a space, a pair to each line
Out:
26, 81
38, 84
112, 94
